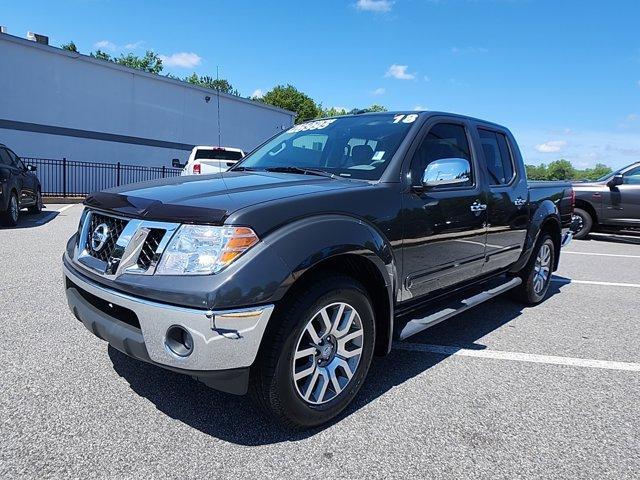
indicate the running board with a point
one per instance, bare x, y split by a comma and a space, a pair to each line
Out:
418, 324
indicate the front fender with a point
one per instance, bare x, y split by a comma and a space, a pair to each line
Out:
546, 211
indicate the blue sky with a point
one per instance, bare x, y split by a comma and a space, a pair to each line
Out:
563, 75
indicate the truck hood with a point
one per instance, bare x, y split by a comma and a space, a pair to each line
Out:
209, 198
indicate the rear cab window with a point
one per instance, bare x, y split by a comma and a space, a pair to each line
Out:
497, 157
217, 154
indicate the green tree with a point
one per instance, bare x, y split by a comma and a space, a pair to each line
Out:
560, 170
600, 170
376, 108
71, 47
333, 112
290, 98
220, 84
536, 172
99, 54
151, 62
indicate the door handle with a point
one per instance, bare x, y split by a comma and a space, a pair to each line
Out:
519, 202
478, 207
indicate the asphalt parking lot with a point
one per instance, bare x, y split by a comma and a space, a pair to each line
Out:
500, 391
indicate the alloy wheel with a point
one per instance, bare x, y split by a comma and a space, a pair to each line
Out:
542, 269
328, 353
13, 208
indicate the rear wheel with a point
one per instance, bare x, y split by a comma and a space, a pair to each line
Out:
11, 215
37, 208
582, 223
316, 357
536, 276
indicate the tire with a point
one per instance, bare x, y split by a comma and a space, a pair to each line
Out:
11, 215
37, 208
584, 223
536, 275
301, 392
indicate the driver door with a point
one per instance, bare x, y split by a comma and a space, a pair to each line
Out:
444, 225
623, 201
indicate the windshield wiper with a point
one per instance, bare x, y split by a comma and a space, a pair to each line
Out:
301, 170
243, 169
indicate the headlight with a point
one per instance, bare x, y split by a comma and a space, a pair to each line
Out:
202, 250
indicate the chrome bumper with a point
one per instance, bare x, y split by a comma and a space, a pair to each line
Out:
221, 339
566, 238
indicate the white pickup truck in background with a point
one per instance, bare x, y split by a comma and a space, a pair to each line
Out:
208, 159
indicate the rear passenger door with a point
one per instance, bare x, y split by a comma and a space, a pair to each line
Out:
507, 198
444, 227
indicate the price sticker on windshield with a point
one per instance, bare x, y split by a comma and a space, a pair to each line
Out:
317, 125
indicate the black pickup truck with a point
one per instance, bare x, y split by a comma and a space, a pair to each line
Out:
611, 202
286, 274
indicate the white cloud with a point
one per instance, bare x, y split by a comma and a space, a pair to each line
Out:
639, 83
419, 107
181, 60
399, 72
105, 45
378, 91
134, 45
257, 93
632, 117
552, 146
427, 78
374, 5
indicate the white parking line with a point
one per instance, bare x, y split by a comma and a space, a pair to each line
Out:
593, 282
602, 254
66, 207
518, 357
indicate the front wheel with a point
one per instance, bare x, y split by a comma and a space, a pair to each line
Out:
316, 357
536, 275
11, 215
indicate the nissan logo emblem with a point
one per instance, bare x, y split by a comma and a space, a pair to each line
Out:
99, 237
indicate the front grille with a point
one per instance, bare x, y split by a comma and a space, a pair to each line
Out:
150, 247
115, 226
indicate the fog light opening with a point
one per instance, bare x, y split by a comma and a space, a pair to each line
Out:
179, 341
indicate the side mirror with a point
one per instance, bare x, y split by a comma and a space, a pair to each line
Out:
615, 181
175, 163
446, 172
31, 168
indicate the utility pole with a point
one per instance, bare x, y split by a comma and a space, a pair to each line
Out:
218, 94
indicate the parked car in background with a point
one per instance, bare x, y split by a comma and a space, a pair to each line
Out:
286, 274
19, 187
204, 160
611, 202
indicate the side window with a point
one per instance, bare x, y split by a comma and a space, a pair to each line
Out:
4, 157
632, 177
15, 160
444, 141
497, 157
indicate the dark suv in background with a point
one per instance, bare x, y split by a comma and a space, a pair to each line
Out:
19, 187
611, 202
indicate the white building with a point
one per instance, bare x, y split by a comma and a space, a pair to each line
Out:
55, 104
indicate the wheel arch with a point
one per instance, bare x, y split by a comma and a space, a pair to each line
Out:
336, 243
589, 208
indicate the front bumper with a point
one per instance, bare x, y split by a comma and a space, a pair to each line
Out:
223, 342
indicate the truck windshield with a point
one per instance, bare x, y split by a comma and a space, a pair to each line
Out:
353, 147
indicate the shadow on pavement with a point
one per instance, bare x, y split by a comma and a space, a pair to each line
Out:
31, 220
234, 418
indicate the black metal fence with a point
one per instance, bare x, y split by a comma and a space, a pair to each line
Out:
70, 178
